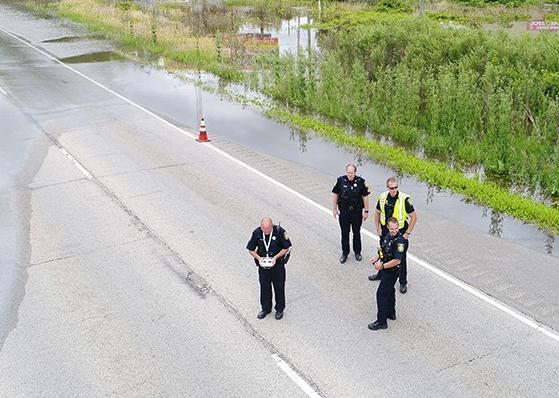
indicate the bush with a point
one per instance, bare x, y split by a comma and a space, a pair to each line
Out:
393, 6
123, 5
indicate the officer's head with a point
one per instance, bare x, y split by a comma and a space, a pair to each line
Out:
393, 226
350, 171
266, 225
392, 185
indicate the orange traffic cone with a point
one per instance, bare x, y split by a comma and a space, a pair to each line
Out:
203, 134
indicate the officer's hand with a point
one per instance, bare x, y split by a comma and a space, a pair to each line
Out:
374, 260
335, 213
365, 216
378, 266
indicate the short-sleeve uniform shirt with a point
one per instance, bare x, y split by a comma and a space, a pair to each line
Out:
394, 247
351, 193
278, 241
389, 208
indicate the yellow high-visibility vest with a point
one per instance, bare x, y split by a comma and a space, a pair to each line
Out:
399, 208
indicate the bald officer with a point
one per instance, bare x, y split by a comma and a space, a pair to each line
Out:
268, 246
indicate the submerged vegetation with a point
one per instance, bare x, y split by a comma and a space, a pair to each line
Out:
450, 95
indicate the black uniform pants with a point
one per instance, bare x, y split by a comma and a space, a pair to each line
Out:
275, 277
386, 298
404, 262
351, 219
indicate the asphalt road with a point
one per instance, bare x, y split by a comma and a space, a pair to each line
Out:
128, 274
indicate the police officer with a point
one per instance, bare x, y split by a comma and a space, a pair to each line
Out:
268, 246
350, 204
391, 254
393, 203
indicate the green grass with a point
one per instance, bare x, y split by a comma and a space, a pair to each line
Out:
434, 173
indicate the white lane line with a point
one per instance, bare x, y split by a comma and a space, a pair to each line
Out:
13, 35
525, 319
3, 91
468, 288
302, 384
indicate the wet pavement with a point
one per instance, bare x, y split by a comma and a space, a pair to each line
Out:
87, 288
17, 139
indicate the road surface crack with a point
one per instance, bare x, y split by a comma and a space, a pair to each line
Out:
466, 362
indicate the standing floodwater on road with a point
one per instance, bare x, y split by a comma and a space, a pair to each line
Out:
174, 98
130, 238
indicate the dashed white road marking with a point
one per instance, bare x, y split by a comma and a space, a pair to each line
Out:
449, 278
3, 91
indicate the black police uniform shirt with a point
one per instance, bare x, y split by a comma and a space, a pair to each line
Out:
393, 247
279, 241
350, 193
389, 209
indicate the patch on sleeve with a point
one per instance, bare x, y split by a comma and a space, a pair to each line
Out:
367, 189
409, 200
285, 236
400, 247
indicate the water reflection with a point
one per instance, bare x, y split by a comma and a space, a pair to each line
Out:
102, 56
236, 24
176, 99
549, 243
430, 194
288, 33
301, 137
64, 39
496, 224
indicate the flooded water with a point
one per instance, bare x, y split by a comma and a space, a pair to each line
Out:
71, 39
102, 56
175, 99
291, 37
182, 103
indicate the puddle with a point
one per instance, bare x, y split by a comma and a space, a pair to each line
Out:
250, 25
73, 39
102, 56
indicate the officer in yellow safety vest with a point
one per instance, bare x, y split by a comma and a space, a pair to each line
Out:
393, 203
